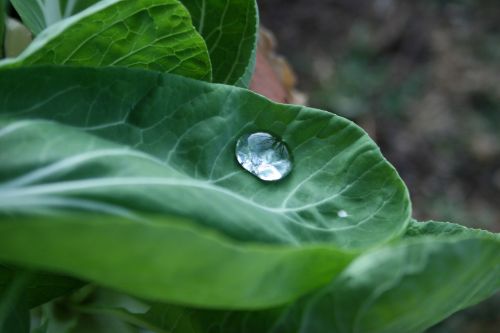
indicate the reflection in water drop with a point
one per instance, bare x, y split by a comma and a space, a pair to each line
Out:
342, 214
264, 155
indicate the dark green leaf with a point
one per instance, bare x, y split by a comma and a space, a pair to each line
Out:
407, 287
14, 314
162, 318
18, 321
191, 129
230, 29
150, 34
443, 230
167, 318
41, 288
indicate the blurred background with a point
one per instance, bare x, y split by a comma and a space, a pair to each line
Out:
423, 78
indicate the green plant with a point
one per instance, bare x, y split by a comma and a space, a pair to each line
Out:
123, 208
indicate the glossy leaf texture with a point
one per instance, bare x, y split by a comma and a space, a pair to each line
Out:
188, 132
150, 34
230, 29
408, 286
39, 14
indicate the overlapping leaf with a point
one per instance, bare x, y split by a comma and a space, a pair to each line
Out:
131, 182
410, 286
160, 259
150, 34
191, 129
41, 287
14, 314
39, 14
230, 29
436, 274
169, 260
165, 318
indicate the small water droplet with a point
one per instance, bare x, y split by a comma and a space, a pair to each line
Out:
342, 214
264, 155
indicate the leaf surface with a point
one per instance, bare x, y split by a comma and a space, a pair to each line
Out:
188, 130
169, 260
230, 29
150, 34
409, 286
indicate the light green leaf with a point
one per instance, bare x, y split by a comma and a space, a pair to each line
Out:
39, 14
230, 29
408, 287
191, 128
150, 34
41, 287
169, 259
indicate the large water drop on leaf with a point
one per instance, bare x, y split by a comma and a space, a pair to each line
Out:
264, 155
342, 214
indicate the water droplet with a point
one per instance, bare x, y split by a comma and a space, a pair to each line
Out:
264, 155
342, 214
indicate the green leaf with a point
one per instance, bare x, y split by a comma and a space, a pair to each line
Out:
18, 321
43, 328
41, 288
191, 128
14, 315
151, 34
39, 14
108, 306
443, 230
169, 259
230, 29
408, 287
161, 318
